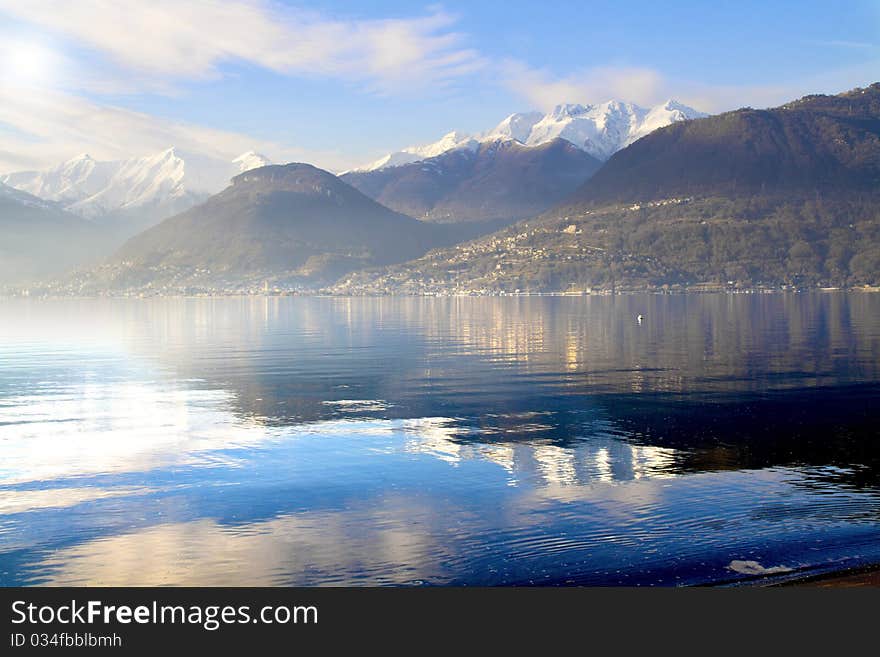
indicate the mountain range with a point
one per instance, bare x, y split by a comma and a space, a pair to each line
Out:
294, 225
749, 198
135, 193
599, 130
746, 199
523, 166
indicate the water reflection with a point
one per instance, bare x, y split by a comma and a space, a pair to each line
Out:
395, 441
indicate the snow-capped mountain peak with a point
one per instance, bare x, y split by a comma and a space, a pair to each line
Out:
674, 105
159, 184
251, 160
516, 126
65, 183
447, 142
662, 115
567, 110
137, 182
601, 130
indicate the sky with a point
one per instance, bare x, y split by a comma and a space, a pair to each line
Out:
340, 83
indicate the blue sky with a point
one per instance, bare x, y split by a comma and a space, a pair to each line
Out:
339, 83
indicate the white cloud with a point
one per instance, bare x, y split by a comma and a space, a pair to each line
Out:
544, 91
98, 47
174, 40
723, 97
51, 126
646, 86
129, 46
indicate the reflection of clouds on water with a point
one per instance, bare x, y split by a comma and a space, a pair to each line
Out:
20, 501
406, 537
472, 434
112, 430
435, 436
116, 428
385, 542
386, 539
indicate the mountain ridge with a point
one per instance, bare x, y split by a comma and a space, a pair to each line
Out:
785, 197
815, 143
141, 190
497, 180
292, 223
600, 130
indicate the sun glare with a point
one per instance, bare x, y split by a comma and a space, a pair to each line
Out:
28, 62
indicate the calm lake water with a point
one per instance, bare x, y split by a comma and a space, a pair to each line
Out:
267, 441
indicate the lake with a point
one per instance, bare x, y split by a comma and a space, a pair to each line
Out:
419, 441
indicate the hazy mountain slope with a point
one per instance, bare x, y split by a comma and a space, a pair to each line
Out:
788, 196
293, 222
498, 180
39, 239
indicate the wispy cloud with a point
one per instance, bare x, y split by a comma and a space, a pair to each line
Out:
852, 45
721, 97
164, 41
98, 47
50, 126
544, 90
647, 86
59, 59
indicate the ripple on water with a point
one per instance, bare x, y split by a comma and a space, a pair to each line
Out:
444, 441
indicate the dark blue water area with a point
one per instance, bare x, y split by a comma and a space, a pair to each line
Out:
523, 441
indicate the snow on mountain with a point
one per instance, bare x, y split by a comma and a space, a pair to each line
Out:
516, 126
169, 181
66, 183
662, 115
600, 130
251, 160
447, 142
137, 182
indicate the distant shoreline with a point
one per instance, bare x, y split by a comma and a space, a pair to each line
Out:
473, 295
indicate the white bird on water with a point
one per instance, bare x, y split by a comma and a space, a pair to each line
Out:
640, 318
